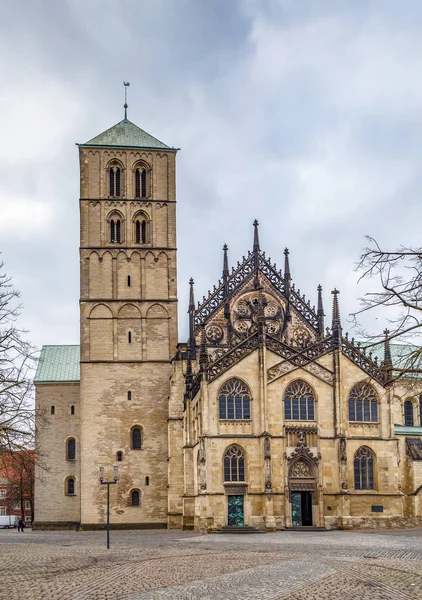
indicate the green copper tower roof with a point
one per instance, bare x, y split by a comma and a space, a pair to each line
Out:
127, 134
58, 364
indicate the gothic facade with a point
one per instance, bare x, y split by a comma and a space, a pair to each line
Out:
264, 418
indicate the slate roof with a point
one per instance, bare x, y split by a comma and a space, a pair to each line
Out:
127, 135
58, 364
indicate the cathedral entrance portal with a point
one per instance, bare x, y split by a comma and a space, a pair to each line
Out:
301, 509
236, 515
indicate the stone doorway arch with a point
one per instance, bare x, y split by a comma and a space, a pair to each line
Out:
302, 490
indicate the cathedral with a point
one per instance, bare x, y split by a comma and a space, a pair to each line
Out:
267, 417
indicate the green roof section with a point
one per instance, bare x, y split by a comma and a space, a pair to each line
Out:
406, 430
58, 364
127, 135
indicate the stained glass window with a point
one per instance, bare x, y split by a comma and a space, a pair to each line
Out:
408, 413
363, 406
234, 464
234, 400
364, 469
299, 402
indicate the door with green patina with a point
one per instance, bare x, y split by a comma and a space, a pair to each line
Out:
301, 509
236, 516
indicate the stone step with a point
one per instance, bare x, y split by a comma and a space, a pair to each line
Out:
237, 529
307, 528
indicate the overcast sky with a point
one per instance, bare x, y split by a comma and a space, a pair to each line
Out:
304, 114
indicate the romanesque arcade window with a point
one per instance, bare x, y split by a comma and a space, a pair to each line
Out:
408, 413
70, 486
363, 405
136, 438
71, 449
142, 227
115, 231
299, 402
234, 464
234, 400
141, 182
114, 180
363, 466
135, 498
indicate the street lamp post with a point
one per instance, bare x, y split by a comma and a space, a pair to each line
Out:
108, 484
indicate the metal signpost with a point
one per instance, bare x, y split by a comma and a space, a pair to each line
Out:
108, 484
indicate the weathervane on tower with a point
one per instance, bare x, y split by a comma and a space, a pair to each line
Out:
126, 84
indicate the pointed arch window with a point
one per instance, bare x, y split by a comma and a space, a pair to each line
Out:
234, 400
408, 413
136, 438
363, 405
234, 464
363, 467
114, 180
299, 402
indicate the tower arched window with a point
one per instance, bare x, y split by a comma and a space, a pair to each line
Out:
71, 449
70, 486
136, 438
135, 498
114, 180
141, 187
299, 402
141, 229
363, 468
115, 225
53, 410
119, 456
234, 464
234, 400
408, 413
363, 406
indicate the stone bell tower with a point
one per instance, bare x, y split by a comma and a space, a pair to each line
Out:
128, 311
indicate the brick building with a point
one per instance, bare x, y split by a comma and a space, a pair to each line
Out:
17, 485
263, 418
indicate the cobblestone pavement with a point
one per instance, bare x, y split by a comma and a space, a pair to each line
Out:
160, 565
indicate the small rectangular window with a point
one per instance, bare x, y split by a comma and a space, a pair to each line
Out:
72, 410
3, 494
128, 280
129, 395
53, 410
146, 480
129, 337
3, 511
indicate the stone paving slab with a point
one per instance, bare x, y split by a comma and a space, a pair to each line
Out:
154, 565
265, 583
